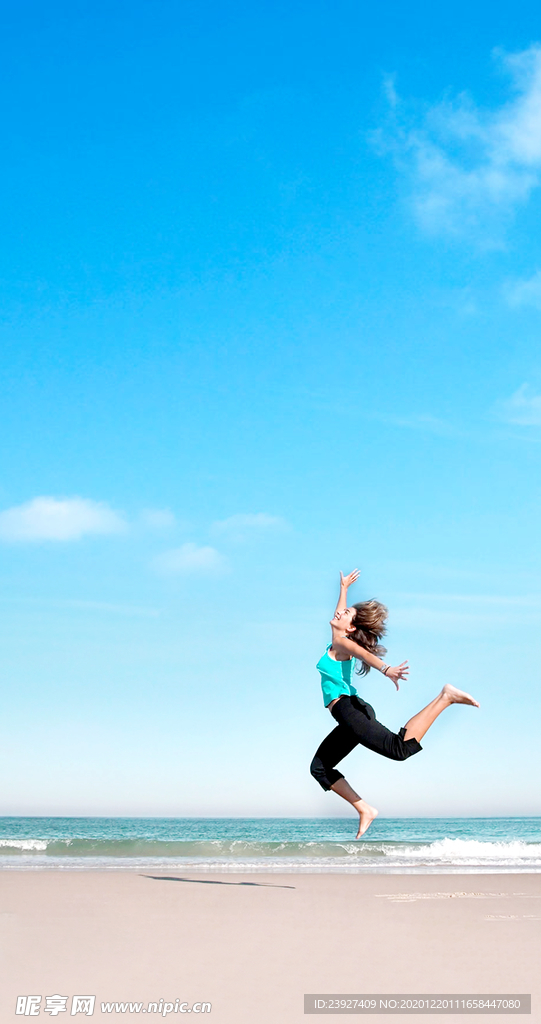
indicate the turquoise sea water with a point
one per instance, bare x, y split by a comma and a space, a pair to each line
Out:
392, 845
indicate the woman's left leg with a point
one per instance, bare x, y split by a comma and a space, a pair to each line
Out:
359, 718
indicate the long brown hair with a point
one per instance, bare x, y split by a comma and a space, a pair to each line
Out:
368, 628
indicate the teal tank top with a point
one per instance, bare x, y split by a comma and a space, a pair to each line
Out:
335, 677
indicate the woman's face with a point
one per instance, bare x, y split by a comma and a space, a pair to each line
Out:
343, 620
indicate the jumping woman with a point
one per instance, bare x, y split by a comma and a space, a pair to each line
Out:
356, 632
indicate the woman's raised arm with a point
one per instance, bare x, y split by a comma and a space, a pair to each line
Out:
345, 582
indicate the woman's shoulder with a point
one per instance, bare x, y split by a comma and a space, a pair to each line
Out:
340, 651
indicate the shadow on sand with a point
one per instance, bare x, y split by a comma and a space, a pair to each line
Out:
214, 881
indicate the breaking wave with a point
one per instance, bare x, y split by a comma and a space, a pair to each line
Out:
230, 854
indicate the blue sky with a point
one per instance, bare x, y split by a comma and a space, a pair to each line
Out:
270, 283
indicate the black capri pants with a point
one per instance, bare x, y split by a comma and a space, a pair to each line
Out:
357, 723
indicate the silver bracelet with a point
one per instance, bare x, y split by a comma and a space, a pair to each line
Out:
384, 668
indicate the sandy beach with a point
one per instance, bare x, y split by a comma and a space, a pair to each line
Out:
252, 945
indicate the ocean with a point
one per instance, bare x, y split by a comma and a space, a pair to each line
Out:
392, 845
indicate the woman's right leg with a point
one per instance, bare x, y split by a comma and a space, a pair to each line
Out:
366, 812
337, 745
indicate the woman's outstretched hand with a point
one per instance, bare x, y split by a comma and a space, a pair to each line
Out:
398, 672
346, 581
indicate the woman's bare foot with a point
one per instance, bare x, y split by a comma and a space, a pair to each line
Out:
455, 696
366, 817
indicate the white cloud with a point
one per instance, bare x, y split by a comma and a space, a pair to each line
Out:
243, 525
469, 167
189, 558
47, 518
524, 293
522, 408
158, 518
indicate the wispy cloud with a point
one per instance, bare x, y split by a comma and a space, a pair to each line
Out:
500, 600
522, 408
116, 609
59, 519
468, 168
51, 604
422, 421
524, 293
453, 613
158, 518
244, 525
189, 558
